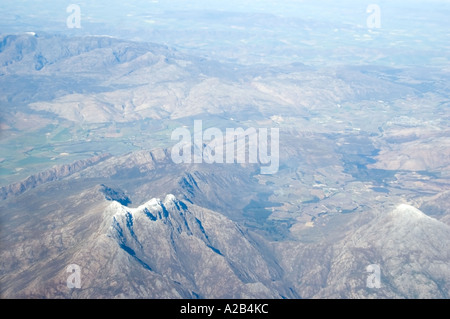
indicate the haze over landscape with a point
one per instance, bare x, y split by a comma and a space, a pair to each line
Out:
354, 95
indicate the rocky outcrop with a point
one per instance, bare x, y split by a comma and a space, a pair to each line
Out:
52, 174
117, 195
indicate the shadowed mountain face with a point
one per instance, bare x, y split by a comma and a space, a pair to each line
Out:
173, 248
357, 208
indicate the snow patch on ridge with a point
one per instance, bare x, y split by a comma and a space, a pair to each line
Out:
154, 206
409, 212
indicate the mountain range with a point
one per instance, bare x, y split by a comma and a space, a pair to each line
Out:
87, 177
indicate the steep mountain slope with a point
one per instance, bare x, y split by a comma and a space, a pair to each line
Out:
354, 143
173, 249
160, 249
55, 173
410, 248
